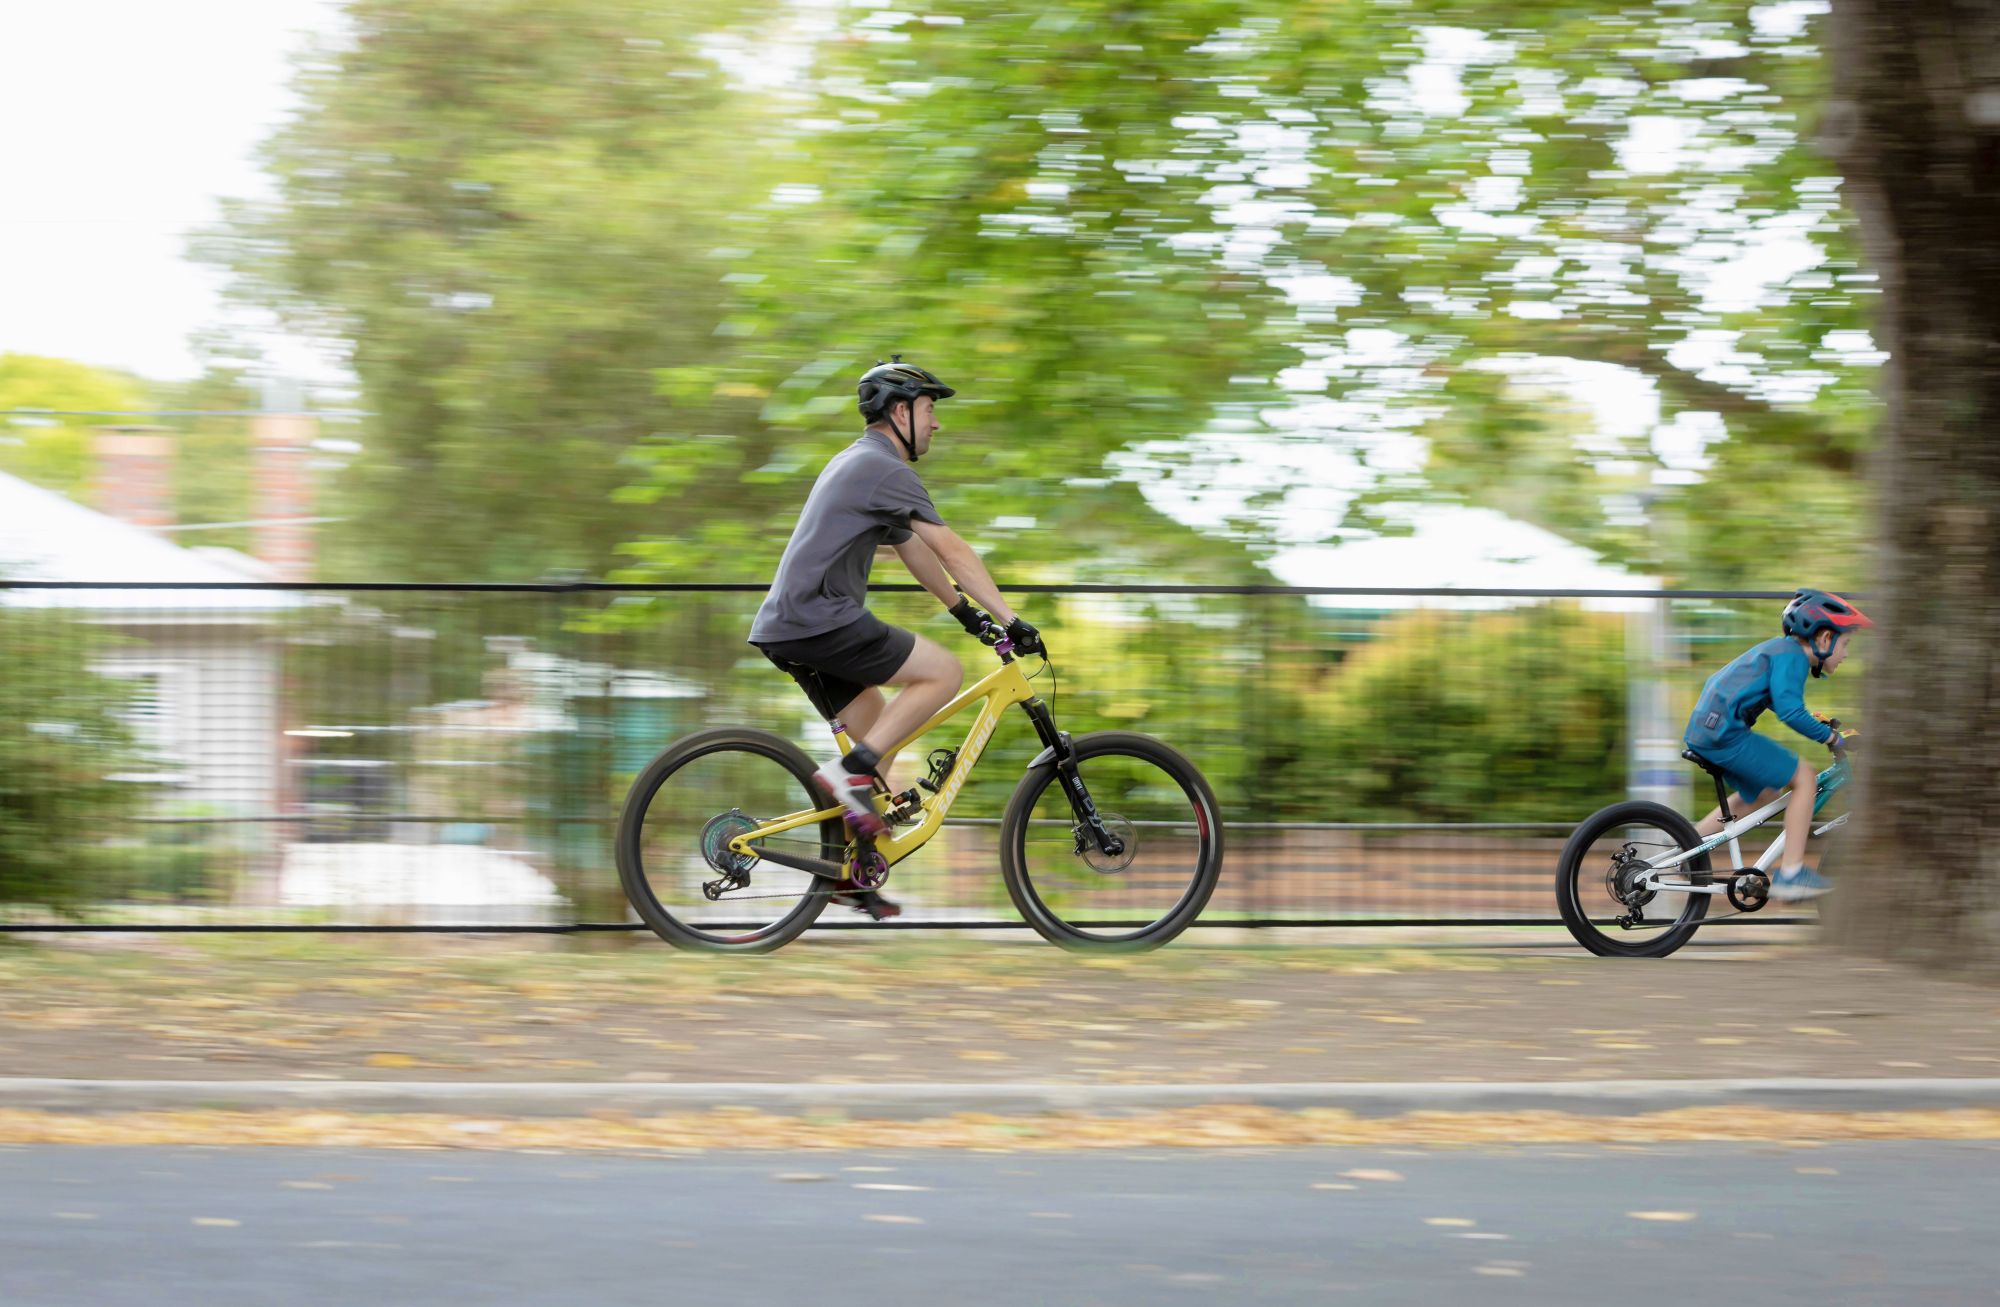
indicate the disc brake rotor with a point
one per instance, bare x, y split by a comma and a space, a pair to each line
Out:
1625, 881
1095, 858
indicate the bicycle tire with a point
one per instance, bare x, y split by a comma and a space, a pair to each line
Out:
1013, 846
631, 835
1569, 900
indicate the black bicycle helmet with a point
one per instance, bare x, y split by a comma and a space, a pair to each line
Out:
886, 383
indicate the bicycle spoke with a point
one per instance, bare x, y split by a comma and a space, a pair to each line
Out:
682, 847
1163, 859
1613, 900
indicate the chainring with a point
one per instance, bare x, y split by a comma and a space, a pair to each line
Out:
1750, 891
1095, 858
715, 837
868, 870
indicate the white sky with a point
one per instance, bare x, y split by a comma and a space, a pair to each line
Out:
121, 124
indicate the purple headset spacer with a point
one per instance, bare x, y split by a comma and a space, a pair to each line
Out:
1005, 647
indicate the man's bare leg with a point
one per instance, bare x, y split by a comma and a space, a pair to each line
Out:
928, 679
860, 716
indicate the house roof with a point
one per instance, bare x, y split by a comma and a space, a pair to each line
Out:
47, 537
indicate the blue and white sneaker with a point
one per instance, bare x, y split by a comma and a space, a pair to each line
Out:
1805, 883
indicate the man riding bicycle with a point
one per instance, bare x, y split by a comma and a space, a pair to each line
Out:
815, 624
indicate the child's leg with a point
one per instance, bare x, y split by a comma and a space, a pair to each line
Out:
1798, 816
1712, 824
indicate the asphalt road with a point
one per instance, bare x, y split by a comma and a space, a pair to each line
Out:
1898, 1223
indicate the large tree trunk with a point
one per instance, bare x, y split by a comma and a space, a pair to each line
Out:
1915, 125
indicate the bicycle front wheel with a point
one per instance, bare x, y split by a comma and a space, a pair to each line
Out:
1157, 803
1598, 882
673, 857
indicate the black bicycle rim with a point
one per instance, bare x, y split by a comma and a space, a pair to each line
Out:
1167, 870
719, 790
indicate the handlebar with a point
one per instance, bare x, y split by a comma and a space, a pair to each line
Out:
994, 637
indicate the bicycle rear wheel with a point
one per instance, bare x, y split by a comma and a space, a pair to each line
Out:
673, 859
1597, 882
1157, 803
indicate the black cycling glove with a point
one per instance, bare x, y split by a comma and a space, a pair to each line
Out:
1026, 638
969, 616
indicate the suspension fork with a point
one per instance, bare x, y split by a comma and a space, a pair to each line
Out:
1059, 751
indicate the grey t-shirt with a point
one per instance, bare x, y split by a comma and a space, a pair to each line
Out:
864, 498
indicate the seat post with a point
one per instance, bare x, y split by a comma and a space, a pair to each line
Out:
1722, 799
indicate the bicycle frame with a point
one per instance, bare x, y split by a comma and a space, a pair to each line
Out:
995, 693
1830, 780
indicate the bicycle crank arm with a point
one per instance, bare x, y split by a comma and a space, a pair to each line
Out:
798, 862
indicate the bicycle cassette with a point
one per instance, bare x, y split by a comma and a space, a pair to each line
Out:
715, 837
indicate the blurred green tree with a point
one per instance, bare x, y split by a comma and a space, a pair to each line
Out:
212, 463
1505, 716
62, 736
1260, 260
54, 450
1260, 270
507, 215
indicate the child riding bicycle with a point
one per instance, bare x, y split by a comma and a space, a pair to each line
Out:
1816, 629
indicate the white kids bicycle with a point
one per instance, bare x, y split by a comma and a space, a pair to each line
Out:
1635, 879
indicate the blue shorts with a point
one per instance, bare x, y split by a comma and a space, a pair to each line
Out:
1754, 764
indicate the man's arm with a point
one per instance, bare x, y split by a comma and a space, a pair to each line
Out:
958, 558
926, 568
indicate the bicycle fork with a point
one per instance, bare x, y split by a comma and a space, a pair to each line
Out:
1062, 754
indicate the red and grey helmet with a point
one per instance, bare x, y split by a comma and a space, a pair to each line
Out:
1813, 611
886, 383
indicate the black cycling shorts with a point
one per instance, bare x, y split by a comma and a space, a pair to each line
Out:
834, 667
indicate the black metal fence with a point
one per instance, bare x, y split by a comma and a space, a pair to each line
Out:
400, 757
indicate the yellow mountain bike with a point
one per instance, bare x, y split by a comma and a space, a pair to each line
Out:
1111, 841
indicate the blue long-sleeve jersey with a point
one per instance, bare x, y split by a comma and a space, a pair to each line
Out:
1771, 676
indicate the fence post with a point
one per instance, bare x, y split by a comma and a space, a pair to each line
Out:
1652, 746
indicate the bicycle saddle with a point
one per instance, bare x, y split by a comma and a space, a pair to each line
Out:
1701, 762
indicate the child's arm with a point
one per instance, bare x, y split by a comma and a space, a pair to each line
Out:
1788, 699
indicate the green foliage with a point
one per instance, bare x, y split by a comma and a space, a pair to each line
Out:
1276, 266
54, 451
507, 214
1121, 235
1510, 716
62, 737
212, 453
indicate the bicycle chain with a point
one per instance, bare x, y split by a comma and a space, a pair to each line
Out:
727, 897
